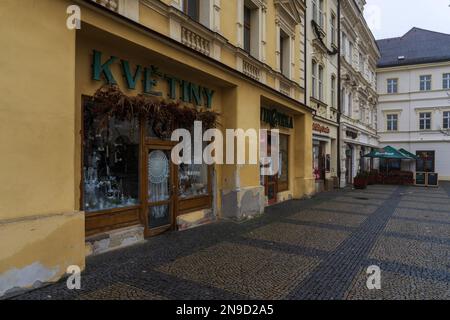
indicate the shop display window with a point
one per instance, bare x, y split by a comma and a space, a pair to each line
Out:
193, 178
110, 162
283, 174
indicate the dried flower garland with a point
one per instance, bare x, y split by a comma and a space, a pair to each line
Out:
164, 117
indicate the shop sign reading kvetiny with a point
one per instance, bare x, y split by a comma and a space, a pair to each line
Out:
150, 76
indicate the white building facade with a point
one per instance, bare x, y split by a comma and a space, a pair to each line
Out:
358, 96
414, 99
322, 89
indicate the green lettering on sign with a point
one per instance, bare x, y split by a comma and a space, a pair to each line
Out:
98, 68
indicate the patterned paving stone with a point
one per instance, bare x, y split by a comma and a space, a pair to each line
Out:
370, 195
425, 206
120, 291
364, 200
395, 286
317, 248
305, 236
412, 252
349, 208
332, 218
254, 272
420, 229
422, 215
422, 199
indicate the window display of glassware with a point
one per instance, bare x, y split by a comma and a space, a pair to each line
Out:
193, 180
111, 164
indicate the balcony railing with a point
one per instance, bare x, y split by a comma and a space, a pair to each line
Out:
251, 70
195, 41
110, 4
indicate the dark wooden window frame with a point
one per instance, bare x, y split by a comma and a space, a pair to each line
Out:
116, 218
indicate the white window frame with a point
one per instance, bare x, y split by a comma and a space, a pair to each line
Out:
446, 116
425, 82
333, 91
392, 122
320, 73
333, 28
314, 70
423, 117
392, 86
446, 81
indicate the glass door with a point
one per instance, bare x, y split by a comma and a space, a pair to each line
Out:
159, 191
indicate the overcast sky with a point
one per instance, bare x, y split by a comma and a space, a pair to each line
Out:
393, 18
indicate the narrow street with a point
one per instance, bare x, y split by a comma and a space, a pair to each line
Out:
313, 249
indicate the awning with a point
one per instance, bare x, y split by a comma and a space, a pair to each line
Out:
408, 154
387, 153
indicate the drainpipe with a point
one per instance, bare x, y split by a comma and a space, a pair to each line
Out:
306, 54
339, 95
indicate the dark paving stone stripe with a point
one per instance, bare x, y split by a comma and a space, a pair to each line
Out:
409, 270
332, 278
417, 237
424, 220
176, 288
319, 225
427, 209
344, 212
281, 247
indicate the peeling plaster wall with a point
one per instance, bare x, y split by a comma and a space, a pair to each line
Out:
38, 239
37, 250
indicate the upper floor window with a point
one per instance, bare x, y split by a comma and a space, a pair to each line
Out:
350, 52
333, 28
446, 123
321, 83
333, 91
446, 81
361, 63
285, 53
392, 86
350, 105
392, 122
344, 44
363, 115
192, 9
425, 121
318, 6
247, 28
314, 79
425, 83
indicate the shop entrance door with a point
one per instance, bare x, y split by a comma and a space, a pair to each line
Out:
160, 182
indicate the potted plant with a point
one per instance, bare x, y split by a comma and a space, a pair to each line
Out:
360, 181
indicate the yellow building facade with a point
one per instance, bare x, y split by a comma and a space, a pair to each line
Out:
73, 185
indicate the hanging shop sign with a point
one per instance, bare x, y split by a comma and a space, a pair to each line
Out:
276, 119
150, 77
320, 128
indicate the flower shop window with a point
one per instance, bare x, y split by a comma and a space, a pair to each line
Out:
110, 161
193, 179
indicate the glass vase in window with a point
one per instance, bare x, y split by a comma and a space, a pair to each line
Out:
110, 161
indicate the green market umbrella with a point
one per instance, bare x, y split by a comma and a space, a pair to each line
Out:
409, 154
387, 153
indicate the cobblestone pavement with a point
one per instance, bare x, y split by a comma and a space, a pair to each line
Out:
311, 249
